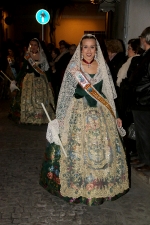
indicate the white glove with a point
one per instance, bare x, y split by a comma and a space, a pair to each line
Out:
52, 134
13, 85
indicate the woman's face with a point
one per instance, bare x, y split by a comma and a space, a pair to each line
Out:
88, 49
34, 46
130, 51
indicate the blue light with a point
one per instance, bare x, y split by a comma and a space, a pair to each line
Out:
42, 16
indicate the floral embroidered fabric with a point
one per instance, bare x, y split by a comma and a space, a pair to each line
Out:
95, 169
35, 90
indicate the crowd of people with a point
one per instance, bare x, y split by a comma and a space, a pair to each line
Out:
91, 92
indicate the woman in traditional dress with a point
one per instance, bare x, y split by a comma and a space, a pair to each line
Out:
11, 67
36, 86
95, 168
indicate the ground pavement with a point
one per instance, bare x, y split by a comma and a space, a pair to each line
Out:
24, 202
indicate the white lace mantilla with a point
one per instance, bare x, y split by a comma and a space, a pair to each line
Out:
43, 60
69, 84
52, 134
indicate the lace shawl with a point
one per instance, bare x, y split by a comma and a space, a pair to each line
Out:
69, 84
43, 60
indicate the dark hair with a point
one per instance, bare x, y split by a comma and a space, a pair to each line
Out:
146, 34
36, 40
62, 42
56, 50
88, 36
135, 45
114, 45
73, 45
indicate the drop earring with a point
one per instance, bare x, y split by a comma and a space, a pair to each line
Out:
81, 57
95, 56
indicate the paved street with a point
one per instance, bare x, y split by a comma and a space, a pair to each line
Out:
24, 202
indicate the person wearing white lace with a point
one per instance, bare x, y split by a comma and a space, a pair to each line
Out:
133, 51
36, 86
95, 168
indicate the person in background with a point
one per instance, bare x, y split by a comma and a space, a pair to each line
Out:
140, 83
116, 56
116, 59
63, 42
36, 86
12, 64
50, 47
134, 51
72, 49
61, 63
11, 69
46, 50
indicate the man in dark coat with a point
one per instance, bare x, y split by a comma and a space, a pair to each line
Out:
140, 82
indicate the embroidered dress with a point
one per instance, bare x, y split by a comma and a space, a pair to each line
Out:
34, 91
95, 168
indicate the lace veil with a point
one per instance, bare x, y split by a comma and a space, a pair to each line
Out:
43, 59
69, 83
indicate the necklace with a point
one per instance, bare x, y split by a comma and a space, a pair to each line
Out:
88, 63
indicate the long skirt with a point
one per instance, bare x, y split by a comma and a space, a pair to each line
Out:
95, 168
35, 90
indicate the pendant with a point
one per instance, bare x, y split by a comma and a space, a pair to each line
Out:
88, 63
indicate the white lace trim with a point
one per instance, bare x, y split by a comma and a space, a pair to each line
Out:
69, 84
43, 60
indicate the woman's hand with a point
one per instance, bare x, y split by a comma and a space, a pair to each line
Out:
119, 122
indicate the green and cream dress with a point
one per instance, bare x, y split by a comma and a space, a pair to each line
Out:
95, 169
